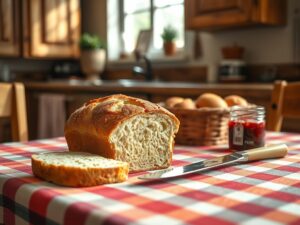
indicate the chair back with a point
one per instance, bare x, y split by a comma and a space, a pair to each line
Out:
285, 104
13, 106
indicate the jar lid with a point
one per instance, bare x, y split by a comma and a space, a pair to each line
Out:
247, 111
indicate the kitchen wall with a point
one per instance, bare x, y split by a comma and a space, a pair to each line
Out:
13, 68
93, 20
94, 17
262, 44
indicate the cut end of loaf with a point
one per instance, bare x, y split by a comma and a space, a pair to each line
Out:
78, 169
145, 141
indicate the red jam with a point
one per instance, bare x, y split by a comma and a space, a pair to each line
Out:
246, 135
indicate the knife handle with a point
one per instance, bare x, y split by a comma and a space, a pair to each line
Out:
267, 152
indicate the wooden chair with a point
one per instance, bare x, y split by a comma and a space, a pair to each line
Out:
285, 104
13, 105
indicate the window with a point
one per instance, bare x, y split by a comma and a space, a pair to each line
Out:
137, 15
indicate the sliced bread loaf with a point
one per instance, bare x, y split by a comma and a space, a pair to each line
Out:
78, 169
124, 128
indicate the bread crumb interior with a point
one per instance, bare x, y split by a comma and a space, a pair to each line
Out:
144, 141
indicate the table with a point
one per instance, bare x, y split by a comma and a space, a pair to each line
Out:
262, 192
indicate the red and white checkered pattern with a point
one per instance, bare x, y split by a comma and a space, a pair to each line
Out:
262, 192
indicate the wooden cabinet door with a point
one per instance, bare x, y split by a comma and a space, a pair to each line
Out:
9, 28
52, 28
217, 13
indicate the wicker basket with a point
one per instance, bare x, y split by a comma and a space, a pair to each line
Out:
204, 126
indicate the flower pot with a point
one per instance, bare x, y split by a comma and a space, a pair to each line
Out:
92, 63
169, 48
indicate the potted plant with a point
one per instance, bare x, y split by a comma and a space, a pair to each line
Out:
92, 56
169, 35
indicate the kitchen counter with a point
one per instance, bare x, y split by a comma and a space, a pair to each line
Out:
77, 93
155, 87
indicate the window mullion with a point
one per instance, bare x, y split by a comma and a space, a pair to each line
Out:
136, 12
151, 14
152, 22
167, 6
121, 24
121, 17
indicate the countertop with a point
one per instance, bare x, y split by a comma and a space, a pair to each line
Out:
78, 92
154, 87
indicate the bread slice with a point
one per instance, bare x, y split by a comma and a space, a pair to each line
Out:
78, 169
124, 128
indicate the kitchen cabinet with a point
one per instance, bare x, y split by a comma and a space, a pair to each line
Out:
46, 29
221, 14
9, 28
52, 28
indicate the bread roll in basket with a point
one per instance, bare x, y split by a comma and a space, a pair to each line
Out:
202, 124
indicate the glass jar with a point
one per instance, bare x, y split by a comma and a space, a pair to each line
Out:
246, 127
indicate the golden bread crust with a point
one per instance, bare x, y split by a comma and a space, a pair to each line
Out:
233, 100
210, 100
187, 103
89, 128
172, 101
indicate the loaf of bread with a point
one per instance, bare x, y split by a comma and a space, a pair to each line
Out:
210, 100
78, 169
124, 128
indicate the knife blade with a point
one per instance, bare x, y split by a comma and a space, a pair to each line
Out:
274, 151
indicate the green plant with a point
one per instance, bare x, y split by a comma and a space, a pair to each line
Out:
169, 33
90, 42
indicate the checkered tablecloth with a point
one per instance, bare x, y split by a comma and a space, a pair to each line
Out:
260, 193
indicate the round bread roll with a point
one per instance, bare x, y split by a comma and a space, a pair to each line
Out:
170, 102
232, 100
186, 104
210, 100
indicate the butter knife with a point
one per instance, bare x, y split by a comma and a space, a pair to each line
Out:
274, 151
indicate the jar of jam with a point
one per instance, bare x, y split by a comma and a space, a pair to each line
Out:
246, 127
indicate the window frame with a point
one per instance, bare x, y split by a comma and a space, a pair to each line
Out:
152, 10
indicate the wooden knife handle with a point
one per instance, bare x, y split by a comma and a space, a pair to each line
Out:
267, 152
